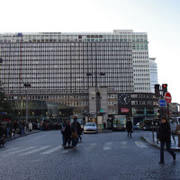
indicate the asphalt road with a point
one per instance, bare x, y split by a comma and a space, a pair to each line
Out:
103, 156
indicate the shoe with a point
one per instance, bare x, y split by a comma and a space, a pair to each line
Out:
174, 157
161, 162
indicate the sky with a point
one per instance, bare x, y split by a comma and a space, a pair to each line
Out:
159, 18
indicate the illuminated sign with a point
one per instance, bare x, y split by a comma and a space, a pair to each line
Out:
124, 110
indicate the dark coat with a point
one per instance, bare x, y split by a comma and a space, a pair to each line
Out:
164, 134
79, 129
129, 126
67, 131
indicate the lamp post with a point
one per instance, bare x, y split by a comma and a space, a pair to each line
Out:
27, 85
97, 92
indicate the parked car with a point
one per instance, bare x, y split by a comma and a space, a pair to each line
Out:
90, 127
136, 126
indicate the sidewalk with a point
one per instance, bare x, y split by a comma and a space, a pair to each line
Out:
18, 135
104, 131
149, 139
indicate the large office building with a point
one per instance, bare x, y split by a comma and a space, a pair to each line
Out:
69, 68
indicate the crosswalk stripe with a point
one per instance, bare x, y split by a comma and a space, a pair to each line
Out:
107, 146
36, 150
10, 150
123, 145
21, 150
91, 146
123, 142
140, 144
52, 150
66, 151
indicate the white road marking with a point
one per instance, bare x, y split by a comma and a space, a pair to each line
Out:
66, 151
36, 150
92, 145
11, 150
123, 142
52, 150
107, 146
140, 144
21, 150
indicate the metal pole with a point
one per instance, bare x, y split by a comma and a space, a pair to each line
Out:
26, 108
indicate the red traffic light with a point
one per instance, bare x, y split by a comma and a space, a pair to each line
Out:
164, 88
164, 85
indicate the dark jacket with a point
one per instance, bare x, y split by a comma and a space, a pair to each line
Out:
2, 131
79, 129
164, 133
67, 131
74, 126
129, 126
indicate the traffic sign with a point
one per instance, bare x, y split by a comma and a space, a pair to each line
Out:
162, 103
168, 97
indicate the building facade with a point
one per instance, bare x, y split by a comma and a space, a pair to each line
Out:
153, 73
62, 67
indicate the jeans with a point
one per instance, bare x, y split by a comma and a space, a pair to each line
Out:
168, 146
74, 142
129, 134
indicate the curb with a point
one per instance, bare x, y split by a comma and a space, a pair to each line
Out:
157, 146
105, 131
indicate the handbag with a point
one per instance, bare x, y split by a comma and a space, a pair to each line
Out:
178, 132
74, 135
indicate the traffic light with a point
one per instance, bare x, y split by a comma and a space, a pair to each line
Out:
157, 92
164, 88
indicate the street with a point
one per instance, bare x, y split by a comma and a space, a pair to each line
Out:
103, 156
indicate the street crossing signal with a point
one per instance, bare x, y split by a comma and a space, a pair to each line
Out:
157, 92
164, 88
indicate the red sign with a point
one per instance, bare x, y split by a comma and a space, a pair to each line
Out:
124, 110
168, 97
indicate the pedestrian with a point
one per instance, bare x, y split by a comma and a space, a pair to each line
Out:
104, 124
178, 133
62, 132
129, 128
8, 127
30, 126
21, 127
15, 126
67, 135
165, 138
173, 129
2, 134
74, 133
79, 131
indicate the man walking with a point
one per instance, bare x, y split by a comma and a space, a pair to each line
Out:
165, 138
129, 128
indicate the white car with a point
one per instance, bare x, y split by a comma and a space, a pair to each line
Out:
90, 127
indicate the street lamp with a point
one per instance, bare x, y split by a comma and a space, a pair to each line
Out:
97, 92
27, 85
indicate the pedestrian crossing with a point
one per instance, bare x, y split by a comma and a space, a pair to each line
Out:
49, 149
